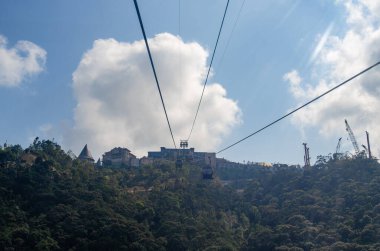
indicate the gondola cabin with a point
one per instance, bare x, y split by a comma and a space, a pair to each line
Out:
207, 172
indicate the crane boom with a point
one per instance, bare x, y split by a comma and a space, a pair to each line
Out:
352, 137
337, 149
369, 146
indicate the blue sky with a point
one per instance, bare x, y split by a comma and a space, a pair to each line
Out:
271, 39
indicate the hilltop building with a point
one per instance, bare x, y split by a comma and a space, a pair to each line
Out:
86, 155
98, 163
120, 157
146, 161
223, 163
187, 154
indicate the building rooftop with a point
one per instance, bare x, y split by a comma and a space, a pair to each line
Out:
85, 154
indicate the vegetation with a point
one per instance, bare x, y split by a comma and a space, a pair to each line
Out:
49, 201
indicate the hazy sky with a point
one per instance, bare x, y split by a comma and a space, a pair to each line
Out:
78, 72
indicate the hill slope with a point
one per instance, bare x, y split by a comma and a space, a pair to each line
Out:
50, 202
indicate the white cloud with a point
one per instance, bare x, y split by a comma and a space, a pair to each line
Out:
321, 43
339, 59
295, 80
118, 102
24, 60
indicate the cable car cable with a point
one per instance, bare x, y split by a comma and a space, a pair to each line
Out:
208, 72
229, 38
302, 106
154, 70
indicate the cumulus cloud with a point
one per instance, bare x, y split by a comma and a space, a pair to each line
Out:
340, 58
118, 103
24, 60
294, 80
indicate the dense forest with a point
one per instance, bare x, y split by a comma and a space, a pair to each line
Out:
49, 201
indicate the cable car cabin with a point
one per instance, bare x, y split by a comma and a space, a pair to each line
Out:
178, 163
207, 172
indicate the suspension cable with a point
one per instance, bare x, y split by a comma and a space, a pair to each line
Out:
154, 70
230, 36
302, 106
208, 72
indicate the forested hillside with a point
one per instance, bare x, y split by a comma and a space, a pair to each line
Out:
50, 202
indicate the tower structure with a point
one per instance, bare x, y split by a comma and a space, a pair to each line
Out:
184, 144
307, 155
86, 155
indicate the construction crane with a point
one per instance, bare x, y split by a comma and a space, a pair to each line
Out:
307, 155
337, 149
365, 149
352, 138
337, 154
369, 146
